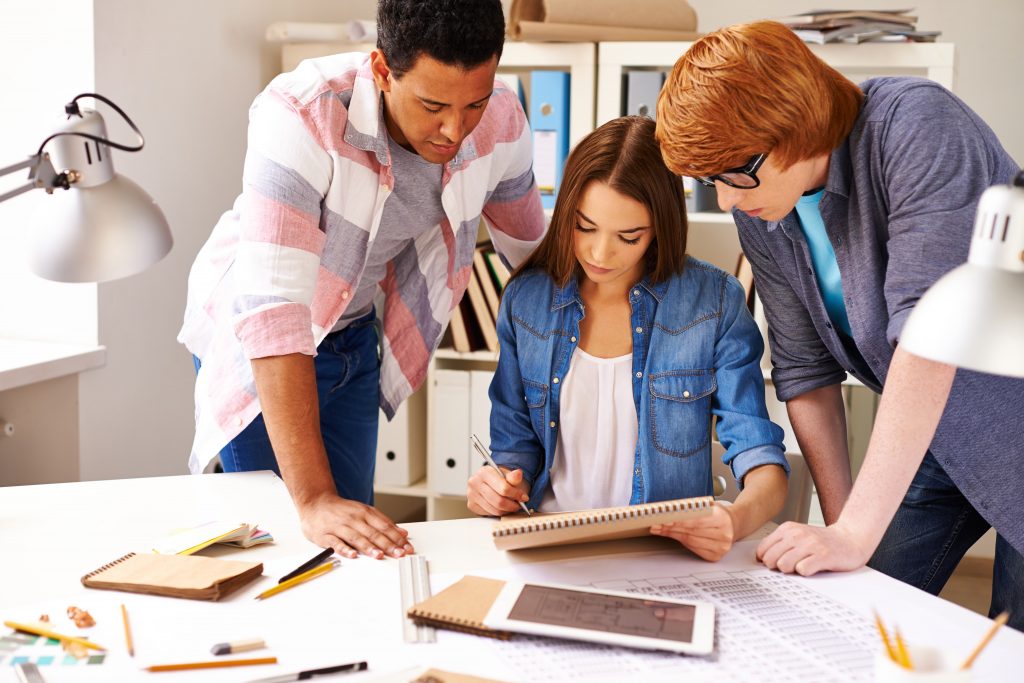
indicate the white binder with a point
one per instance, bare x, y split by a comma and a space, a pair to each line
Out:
479, 416
449, 432
401, 448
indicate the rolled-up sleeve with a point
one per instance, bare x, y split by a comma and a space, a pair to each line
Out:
750, 438
286, 175
514, 444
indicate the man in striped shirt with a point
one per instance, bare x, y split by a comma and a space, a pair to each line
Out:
364, 183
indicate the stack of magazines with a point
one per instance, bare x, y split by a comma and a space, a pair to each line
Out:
857, 26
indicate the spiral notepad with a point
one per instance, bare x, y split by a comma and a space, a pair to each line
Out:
462, 606
177, 576
602, 524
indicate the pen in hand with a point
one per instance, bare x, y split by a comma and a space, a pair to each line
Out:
487, 458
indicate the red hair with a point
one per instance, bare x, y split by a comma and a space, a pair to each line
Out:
750, 89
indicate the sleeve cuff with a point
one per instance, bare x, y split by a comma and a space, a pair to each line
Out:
527, 462
276, 331
756, 457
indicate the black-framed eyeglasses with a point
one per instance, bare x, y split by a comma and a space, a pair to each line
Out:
743, 178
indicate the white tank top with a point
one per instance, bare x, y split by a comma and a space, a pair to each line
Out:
597, 435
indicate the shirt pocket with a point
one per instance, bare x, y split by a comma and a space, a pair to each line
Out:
680, 413
536, 395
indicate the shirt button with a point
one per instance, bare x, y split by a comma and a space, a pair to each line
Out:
828, 325
639, 330
344, 295
554, 380
572, 339
686, 394
636, 471
636, 292
238, 422
552, 424
639, 375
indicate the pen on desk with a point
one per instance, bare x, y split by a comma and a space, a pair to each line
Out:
306, 675
218, 664
301, 578
127, 631
320, 558
996, 625
42, 631
236, 646
490, 461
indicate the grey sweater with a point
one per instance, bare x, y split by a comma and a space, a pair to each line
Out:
898, 207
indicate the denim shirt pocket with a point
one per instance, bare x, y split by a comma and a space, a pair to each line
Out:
680, 411
536, 395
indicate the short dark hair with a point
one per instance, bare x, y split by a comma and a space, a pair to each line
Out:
465, 33
624, 154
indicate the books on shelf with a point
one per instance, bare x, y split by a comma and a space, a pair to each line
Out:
472, 325
857, 26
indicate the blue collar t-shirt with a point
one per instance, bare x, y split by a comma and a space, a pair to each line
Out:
823, 256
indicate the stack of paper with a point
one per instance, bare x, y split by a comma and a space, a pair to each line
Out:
857, 26
194, 539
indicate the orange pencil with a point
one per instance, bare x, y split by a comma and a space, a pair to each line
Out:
220, 663
997, 623
127, 631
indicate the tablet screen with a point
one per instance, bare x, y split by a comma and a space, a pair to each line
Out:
646, 617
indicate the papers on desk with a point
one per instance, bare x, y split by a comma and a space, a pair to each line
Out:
194, 539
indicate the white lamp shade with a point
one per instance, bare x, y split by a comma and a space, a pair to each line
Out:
99, 233
973, 317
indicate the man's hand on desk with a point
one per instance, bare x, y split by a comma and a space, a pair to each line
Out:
807, 550
352, 528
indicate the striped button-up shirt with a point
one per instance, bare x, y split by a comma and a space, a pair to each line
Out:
281, 266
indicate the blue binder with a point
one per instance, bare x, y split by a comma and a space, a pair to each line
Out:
549, 120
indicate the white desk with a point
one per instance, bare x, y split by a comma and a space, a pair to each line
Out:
53, 534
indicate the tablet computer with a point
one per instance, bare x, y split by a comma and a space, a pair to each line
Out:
648, 622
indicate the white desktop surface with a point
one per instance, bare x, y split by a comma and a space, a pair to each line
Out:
53, 534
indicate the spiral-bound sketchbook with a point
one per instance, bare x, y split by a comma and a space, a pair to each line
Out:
176, 576
461, 606
602, 524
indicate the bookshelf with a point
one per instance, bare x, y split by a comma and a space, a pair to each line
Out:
596, 96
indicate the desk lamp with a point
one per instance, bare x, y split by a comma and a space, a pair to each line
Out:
973, 316
103, 226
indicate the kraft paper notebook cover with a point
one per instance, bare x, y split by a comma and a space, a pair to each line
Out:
603, 524
176, 576
461, 606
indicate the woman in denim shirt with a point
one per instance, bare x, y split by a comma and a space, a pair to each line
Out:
617, 350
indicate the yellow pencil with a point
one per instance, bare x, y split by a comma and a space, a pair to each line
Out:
220, 663
127, 631
301, 578
885, 639
42, 631
997, 623
901, 649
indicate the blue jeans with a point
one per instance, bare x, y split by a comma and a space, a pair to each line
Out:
933, 528
347, 381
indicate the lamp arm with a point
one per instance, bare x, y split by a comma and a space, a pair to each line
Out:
41, 174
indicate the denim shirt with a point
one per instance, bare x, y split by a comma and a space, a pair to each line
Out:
696, 353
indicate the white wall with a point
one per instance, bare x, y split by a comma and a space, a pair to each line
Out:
45, 60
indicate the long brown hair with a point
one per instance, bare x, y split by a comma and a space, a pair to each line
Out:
624, 154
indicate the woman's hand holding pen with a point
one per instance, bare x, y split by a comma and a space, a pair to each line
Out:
491, 494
